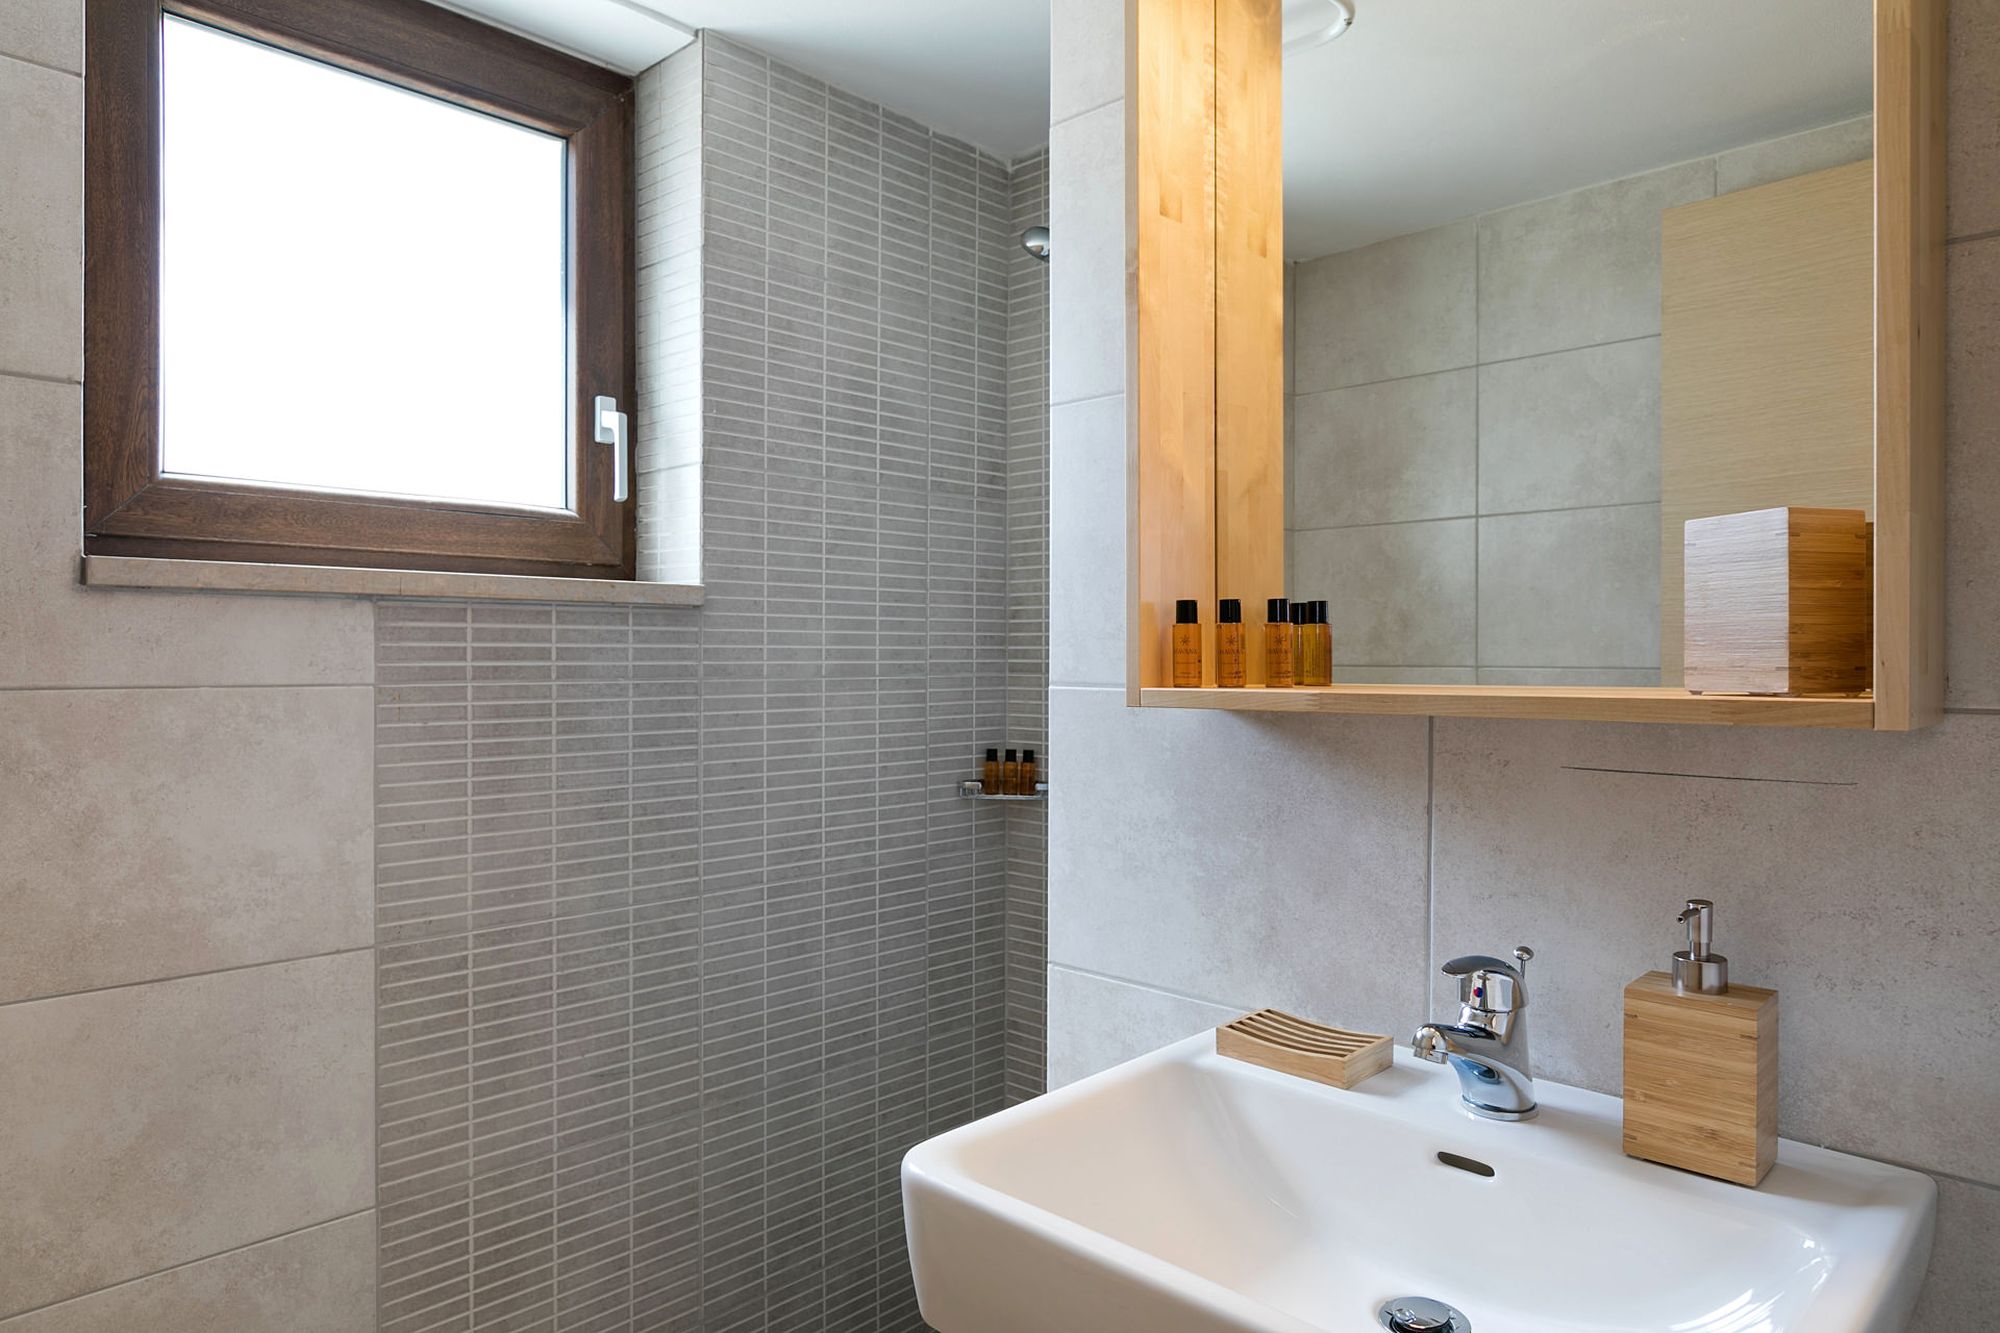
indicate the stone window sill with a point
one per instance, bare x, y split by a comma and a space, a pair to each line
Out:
118, 571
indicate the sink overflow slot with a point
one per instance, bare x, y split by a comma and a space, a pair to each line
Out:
1452, 1159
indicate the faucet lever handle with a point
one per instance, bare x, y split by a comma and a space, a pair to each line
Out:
1493, 984
1481, 962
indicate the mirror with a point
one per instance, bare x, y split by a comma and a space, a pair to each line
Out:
1559, 276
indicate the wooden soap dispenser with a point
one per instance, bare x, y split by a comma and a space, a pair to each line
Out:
1701, 1063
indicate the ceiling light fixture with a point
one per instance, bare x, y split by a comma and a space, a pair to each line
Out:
1311, 23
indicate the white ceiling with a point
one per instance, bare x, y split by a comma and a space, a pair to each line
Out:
1429, 110
624, 35
976, 69
1422, 112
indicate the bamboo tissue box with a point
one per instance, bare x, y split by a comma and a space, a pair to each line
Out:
1780, 601
1701, 1078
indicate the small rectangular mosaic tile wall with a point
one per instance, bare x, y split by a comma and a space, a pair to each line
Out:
683, 937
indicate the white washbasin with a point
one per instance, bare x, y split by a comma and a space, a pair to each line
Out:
1184, 1192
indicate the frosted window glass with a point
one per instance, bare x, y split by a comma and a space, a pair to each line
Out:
361, 289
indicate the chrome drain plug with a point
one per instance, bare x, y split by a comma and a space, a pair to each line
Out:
1421, 1314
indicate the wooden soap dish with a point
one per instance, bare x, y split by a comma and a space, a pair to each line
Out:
1277, 1040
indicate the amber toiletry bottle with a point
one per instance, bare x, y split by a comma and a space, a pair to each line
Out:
1229, 651
1298, 636
990, 775
1315, 647
1187, 644
1010, 774
1323, 633
1277, 644
1027, 773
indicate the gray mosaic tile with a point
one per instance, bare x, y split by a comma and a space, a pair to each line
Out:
684, 939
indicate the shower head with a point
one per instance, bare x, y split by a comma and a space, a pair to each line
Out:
1035, 240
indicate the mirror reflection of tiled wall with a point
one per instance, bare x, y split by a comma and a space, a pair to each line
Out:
1473, 468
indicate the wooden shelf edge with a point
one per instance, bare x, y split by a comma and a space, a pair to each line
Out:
1544, 702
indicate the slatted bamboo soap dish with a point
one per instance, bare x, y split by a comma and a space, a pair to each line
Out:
1291, 1045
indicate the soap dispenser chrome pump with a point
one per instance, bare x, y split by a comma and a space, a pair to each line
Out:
1701, 1063
1695, 968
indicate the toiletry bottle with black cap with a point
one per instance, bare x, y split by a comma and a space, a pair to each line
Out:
1277, 644
1230, 655
1302, 642
1315, 647
1187, 644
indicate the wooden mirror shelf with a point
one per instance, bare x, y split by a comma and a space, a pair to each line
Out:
1206, 381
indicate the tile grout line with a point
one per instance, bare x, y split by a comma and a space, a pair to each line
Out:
187, 1263
187, 976
35, 377
1134, 983
1430, 866
1079, 115
368, 685
1084, 399
33, 63
1476, 365
1478, 436
470, 1042
1475, 516
375, 1024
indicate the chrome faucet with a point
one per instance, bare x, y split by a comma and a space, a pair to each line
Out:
1488, 1046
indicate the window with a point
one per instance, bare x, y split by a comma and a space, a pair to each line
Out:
358, 290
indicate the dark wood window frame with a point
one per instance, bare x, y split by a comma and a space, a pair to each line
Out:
131, 509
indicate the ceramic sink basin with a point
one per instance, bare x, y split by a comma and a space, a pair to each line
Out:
1185, 1192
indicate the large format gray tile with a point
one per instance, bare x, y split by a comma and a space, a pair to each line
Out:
1086, 56
1972, 475
1402, 675
41, 222
1291, 331
1384, 453
56, 632
1972, 118
1087, 542
154, 1125
1571, 588
155, 833
48, 32
1087, 315
1399, 595
1962, 1288
1854, 874
1253, 858
1621, 676
1095, 1022
1795, 155
1571, 429
1582, 268
1400, 307
320, 1280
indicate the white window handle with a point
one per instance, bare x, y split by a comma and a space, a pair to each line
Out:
611, 429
